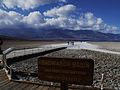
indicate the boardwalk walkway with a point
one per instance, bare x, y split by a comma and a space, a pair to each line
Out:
6, 84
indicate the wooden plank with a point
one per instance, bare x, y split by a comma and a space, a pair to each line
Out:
40, 88
6, 85
84, 88
2, 74
34, 87
18, 86
9, 87
52, 88
29, 87
45, 88
15, 84
3, 78
57, 88
23, 87
2, 71
4, 82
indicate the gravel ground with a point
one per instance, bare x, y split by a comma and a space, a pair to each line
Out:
107, 64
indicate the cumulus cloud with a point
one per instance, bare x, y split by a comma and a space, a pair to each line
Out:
89, 16
34, 19
86, 21
110, 29
62, 11
13, 19
58, 17
62, 22
27, 4
9, 18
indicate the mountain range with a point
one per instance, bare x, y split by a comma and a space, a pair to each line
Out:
58, 34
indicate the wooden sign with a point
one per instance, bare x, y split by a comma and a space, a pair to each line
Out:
68, 70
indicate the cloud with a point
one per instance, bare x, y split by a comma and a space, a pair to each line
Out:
62, 22
13, 19
89, 22
27, 4
62, 11
34, 19
89, 16
110, 29
9, 18
86, 21
58, 17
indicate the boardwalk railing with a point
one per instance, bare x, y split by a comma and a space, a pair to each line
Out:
18, 54
12, 52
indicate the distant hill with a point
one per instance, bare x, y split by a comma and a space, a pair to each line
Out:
57, 34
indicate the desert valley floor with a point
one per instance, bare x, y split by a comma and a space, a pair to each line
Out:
106, 58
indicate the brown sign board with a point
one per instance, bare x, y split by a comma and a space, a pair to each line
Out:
69, 70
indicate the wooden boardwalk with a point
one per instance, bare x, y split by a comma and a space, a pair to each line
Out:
6, 84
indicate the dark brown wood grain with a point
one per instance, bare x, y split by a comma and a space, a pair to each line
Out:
69, 70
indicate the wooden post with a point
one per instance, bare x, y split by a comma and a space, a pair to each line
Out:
102, 81
64, 86
4, 61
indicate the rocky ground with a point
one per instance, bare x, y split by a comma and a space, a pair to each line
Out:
107, 64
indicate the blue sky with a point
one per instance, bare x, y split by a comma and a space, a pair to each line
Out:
98, 15
108, 10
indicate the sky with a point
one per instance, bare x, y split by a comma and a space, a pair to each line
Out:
98, 15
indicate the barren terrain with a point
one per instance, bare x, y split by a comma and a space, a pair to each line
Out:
114, 46
26, 44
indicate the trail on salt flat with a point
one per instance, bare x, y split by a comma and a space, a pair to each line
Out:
83, 45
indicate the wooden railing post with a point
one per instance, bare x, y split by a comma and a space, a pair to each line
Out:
4, 61
102, 81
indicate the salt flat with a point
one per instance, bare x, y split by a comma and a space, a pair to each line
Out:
77, 46
84, 45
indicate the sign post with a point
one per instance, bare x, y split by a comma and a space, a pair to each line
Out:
66, 70
64, 86
1, 54
1, 43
